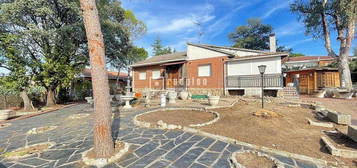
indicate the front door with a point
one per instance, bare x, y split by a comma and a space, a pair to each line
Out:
173, 75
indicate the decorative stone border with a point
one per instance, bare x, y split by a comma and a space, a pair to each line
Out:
104, 161
236, 164
78, 116
339, 118
319, 124
338, 152
352, 132
40, 130
164, 125
217, 107
50, 145
319, 162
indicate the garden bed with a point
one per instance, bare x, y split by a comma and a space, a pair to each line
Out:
277, 127
176, 117
289, 132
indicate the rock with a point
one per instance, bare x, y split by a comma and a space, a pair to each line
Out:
319, 107
320, 124
352, 132
161, 124
339, 118
321, 94
171, 126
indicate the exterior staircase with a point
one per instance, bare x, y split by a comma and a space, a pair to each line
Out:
290, 93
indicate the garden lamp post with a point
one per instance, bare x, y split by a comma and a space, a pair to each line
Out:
262, 71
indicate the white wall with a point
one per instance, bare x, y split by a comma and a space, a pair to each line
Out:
240, 53
194, 53
250, 67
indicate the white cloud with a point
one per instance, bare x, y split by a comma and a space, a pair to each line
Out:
222, 23
299, 42
182, 22
175, 25
275, 7
291, 28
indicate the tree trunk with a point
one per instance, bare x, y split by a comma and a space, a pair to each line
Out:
28, 106
345, 73
345, 47
103, 141
50, 99
5, 102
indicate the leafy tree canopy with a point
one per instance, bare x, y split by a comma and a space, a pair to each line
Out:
254, 35
323, 16
48, 41
159, 49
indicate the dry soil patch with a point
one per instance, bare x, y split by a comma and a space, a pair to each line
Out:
178, 117
251, 160
289, 132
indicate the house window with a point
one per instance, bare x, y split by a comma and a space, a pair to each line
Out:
204, 70
156, 74
142, 75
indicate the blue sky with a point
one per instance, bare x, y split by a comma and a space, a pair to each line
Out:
174, 22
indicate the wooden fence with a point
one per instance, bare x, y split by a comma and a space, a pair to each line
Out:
245, 81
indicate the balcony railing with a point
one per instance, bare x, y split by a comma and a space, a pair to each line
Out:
248, 81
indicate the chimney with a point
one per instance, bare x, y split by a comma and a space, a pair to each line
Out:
272, 42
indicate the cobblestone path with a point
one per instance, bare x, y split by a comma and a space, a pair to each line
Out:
152, 148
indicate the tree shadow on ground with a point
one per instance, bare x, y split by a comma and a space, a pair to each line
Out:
116, 124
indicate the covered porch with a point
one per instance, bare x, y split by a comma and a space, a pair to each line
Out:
250, 85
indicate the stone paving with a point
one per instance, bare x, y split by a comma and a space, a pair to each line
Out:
151, 148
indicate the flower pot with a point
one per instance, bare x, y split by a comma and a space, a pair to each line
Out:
184, 95
4, 114
172, 97
213, 100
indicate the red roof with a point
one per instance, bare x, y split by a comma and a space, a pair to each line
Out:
306, 58
111, 75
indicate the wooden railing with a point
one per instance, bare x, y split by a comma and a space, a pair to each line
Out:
246, 81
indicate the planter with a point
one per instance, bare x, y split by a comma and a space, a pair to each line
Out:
213, 100
183, 95
4, 114
268, 161
172, 97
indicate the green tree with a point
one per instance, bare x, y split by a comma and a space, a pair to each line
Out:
51, 37
134, 26
19, 78
296, 54
159, 49
254, 35
6, 90
322, 16
134, 54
